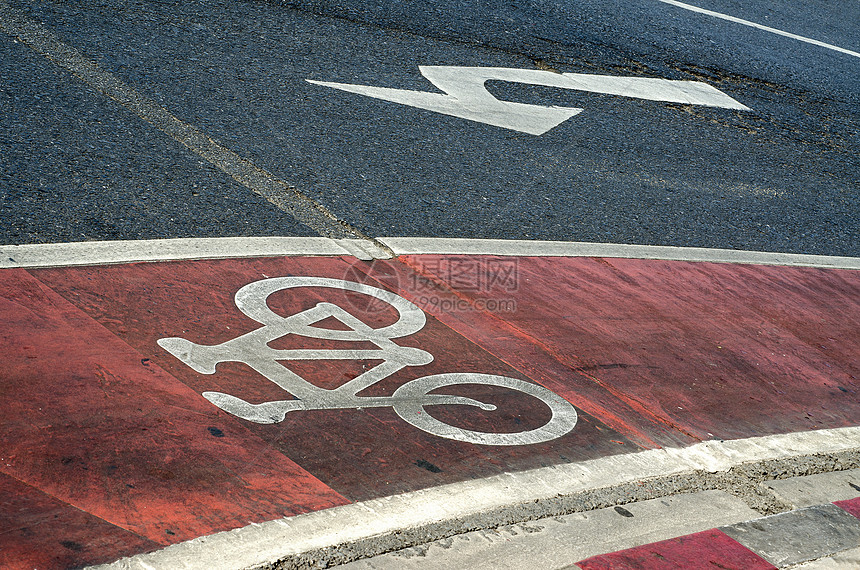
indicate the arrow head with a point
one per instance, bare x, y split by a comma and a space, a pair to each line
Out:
531, 119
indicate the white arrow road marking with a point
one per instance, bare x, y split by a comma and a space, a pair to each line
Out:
465, 95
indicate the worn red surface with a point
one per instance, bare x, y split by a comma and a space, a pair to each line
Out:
851, 506
360, 453
100, 427
701, 347
706, 550
108, 431
40, 531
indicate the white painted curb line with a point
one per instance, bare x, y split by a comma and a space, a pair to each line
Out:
522, 248
262, 544
111, 252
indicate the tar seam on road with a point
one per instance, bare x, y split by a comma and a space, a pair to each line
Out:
759, 27
245, 172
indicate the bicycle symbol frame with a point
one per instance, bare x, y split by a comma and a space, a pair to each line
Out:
408, 401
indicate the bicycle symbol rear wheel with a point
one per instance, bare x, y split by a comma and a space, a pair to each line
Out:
411, 398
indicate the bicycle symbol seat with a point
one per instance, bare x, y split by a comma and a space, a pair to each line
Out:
408, 401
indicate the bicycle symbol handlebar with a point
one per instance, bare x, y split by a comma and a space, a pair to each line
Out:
408, 401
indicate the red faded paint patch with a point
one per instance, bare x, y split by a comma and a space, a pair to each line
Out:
485, 313
703, 348
851, 506
97, 425
38, 531
707, 550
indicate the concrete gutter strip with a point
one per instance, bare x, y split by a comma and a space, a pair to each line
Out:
372, 527
798, 536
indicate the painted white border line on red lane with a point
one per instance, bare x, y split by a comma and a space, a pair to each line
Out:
111, 252
381, 523
457, 246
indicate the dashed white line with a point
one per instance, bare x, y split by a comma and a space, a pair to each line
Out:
759, 26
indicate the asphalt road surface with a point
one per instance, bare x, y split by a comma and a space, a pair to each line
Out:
82, 161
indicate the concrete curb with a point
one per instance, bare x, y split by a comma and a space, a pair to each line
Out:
359, 530
777, 541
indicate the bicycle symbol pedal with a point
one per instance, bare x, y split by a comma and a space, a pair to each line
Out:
408, 401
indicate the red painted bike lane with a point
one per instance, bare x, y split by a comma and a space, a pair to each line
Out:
111, 448
709, 350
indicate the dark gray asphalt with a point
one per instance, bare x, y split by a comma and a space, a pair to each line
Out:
75, 166
783, 177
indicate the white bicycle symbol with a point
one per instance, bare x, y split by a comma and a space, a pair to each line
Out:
408, 401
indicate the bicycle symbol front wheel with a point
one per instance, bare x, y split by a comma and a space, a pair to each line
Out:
411, 398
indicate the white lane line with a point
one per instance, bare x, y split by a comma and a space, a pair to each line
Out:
398, 521
110, 252
759, 26
283, 196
